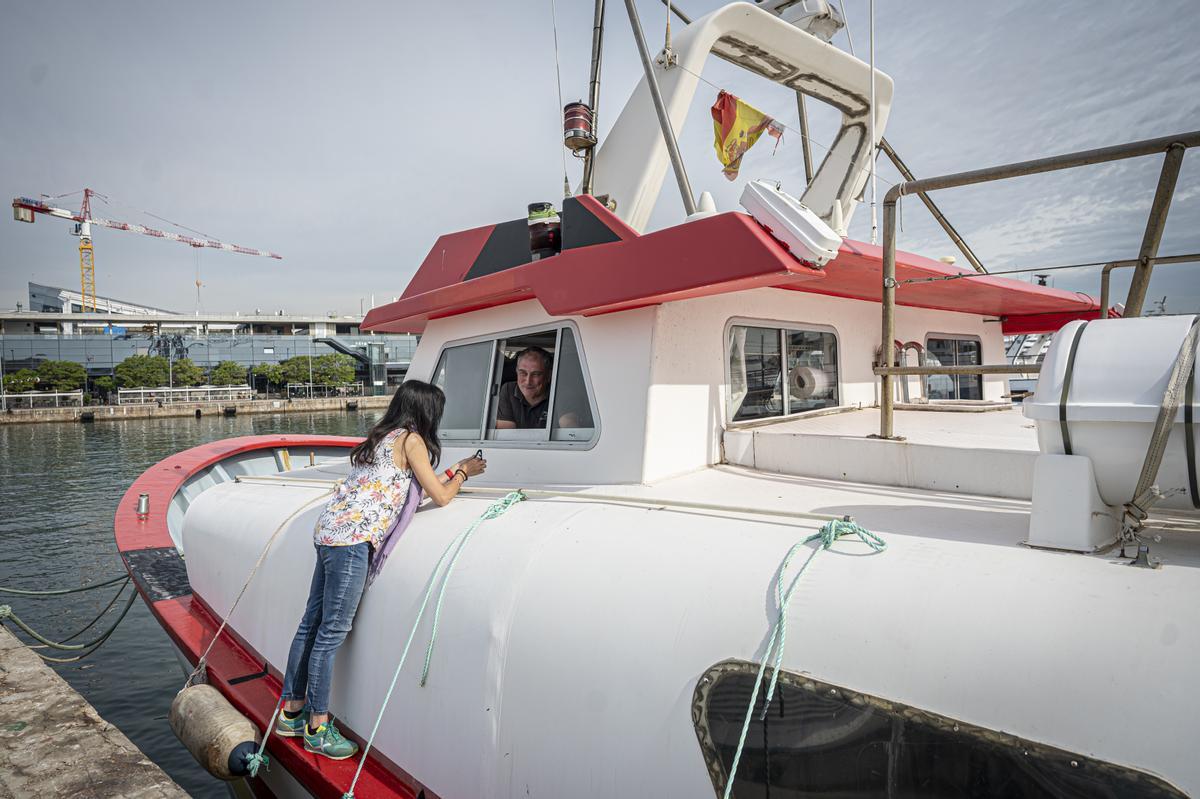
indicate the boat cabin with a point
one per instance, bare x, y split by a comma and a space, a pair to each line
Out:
665, 344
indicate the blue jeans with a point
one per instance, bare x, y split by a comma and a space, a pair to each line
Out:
337, 586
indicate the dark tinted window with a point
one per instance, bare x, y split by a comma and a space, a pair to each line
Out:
819, 740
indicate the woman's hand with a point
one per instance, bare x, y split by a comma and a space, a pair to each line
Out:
473, 466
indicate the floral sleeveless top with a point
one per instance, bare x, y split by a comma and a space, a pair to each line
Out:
366, 503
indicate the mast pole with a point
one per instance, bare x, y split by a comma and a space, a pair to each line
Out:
594, 94
664, 121
874, 149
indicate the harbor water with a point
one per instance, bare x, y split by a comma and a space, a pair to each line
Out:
60, 487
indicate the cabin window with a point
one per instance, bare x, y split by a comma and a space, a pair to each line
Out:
953, 351
820, 740
527, 387
777, 371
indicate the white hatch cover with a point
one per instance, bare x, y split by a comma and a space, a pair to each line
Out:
797, 227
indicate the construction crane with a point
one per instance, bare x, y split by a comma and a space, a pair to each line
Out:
25, 209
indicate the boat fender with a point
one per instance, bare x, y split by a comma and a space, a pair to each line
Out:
221, 739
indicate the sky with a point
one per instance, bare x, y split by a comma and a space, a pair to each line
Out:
348, 136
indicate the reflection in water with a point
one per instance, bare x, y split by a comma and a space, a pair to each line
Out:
61, 484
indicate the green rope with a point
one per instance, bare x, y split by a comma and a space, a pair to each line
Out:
826, 536
6, 612
495, 509
91, 623
61, 591
259, 759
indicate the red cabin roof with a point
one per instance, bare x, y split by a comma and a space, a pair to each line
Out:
605, 266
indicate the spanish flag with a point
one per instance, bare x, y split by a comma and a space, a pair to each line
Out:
737, 126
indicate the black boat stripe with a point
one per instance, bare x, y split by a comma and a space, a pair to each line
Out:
1066, 389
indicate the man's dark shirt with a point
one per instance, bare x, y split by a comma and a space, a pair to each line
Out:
513, 407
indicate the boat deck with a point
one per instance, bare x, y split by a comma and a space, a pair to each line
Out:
987, 454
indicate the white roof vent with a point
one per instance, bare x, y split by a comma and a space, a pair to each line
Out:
797, 227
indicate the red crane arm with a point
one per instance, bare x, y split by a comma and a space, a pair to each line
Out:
24, 209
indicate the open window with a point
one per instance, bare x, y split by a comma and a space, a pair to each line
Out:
776, 371
527, 387
820, 740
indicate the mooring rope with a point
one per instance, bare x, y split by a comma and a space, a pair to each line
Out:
62, 591
259, 759
6, 612
826, 536
253, 571
457, 544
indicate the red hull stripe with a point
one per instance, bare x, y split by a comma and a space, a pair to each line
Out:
191, 625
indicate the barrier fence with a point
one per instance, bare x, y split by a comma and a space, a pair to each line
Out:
165, 395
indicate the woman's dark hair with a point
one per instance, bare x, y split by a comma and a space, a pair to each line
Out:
416, 406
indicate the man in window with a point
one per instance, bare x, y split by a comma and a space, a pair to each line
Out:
523, 403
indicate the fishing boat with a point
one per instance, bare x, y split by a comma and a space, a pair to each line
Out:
749, 553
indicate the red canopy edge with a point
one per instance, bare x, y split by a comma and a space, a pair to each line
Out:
716, 255
1021, 307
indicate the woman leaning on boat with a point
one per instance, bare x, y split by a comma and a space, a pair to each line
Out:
402, 446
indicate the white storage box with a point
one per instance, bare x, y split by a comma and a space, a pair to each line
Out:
799, 228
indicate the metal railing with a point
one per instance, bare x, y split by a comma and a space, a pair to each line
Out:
1107, 270
166, 395
42, 399
1172, 147
323, 390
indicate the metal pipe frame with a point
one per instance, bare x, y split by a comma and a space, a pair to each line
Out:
664, 122
1105, 274
981, 369
806, 148
594, 95
1165, 144
938, 216
1154, 229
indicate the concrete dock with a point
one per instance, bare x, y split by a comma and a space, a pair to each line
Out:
55, 744
102, 413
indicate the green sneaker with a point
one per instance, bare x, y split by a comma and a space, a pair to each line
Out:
329, 742
291, 728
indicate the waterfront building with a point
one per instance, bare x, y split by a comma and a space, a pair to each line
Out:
54, 328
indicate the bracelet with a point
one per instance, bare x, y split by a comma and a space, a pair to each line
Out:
449, 474
464, 474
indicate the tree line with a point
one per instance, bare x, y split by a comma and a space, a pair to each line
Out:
155, 371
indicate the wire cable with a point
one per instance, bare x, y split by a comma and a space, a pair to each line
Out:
1019, 271
558, 83
60, 592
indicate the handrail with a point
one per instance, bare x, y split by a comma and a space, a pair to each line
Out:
1172, 146
1105, 273
980, 369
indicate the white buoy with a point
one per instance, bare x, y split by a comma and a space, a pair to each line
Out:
220, 738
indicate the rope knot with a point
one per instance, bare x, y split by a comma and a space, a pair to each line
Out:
501, 505
256, 761
5, 611
832, 530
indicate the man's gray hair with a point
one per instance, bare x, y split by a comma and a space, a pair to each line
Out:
547, 358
